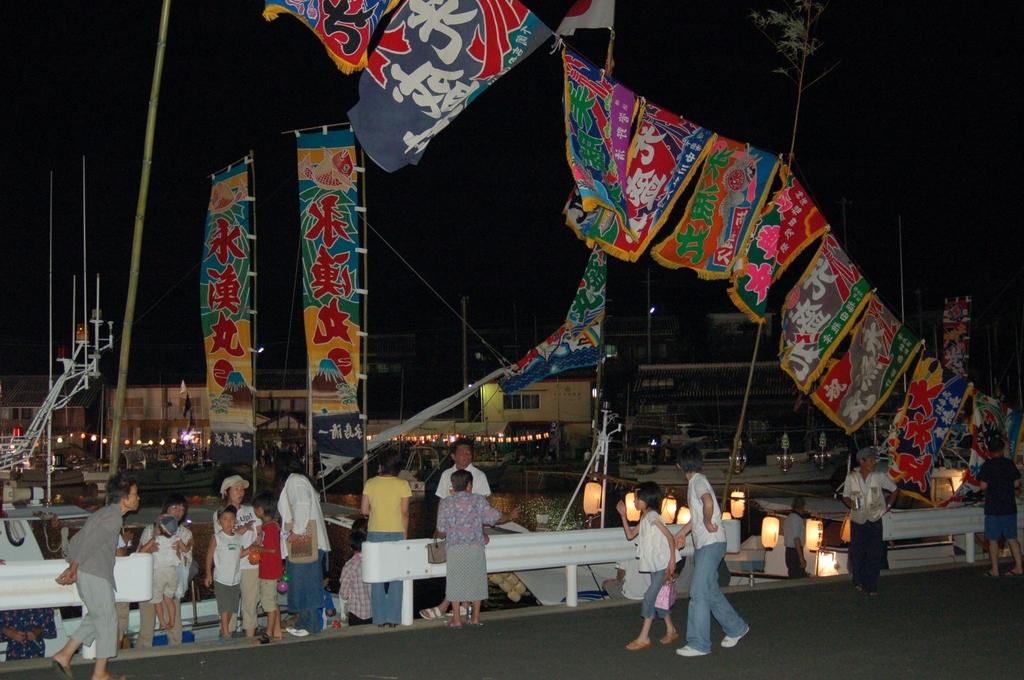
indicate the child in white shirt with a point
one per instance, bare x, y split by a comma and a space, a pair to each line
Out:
166, 559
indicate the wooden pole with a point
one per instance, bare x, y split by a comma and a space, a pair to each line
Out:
140, 220
743, 415
365, 332
253, 310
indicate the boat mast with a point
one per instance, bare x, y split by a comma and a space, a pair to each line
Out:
140, 219
49, 364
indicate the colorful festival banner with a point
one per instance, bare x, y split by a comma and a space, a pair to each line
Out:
328, 201
598, 124
933, 403
343, 26
819, 311
857, 385
431, 62
588, 14
576, 343
790, 224
663, 156
989, 414
224, 311
956, 334
731, 191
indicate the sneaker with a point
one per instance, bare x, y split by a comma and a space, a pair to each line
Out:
297, 632
690, 651
728, 641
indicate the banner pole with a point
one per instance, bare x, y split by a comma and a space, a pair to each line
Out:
743, 415
254, 348
364, 365
140, 218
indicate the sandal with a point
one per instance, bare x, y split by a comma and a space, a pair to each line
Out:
478, 624
263, 640
452, 624
669, 638
61, 669
431, 613
636, 645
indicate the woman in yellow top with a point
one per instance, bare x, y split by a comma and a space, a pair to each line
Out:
386, 503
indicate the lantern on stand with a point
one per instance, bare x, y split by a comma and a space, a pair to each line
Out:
683, 516
632, 512
826, 564
784, 460
820, 457
737, 504
592, 498
668, 509
814, 529
769, 532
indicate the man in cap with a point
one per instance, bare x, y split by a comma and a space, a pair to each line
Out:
1000, 480
863, 493
232, 491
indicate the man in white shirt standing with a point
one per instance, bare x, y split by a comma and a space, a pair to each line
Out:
793, 535
863, 494
461, 452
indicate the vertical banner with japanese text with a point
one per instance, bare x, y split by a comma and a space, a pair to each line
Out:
432, 61
328, 201
956, 334
224, 299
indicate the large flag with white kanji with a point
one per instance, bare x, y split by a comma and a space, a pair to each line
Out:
329, 220
819, 311
577, 342
662, 160
932, 405
789, 224
432, 61
857, 385
224, 290
343, 26
599, 114
730, 193
956, 334
990, 414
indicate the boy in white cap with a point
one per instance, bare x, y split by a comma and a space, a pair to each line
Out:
232, 491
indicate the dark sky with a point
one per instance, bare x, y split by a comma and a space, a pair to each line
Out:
915, 120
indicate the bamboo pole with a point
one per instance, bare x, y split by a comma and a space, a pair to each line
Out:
253, 310
140, 219
365, 338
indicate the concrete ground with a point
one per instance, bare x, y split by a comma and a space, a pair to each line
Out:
940, 623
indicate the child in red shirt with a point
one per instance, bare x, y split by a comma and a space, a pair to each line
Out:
271, 568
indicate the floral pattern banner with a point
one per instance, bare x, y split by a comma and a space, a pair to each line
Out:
857, 385
598, 121
329, 219
433, 59
663, 157
224, 291
933, 403
577, 342
819, 311
989, 414
343, 26
956, 334
789, 225
731, 190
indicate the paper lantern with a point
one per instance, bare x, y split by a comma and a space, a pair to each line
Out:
737, 504
668, 509
769, 532
826, 564
592, 498
844, 533
632, 512
683, 516
813, 531
726, 515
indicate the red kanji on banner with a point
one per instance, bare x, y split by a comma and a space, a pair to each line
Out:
329, 276
222, 292
225, 337
331, 324
328, 222
224, 244
500, 17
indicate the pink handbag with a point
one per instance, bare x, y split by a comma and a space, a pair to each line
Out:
666, 596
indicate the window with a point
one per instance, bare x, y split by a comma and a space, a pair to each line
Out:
521, 402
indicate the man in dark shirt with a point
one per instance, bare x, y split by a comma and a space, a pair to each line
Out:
91, 554
1000, 480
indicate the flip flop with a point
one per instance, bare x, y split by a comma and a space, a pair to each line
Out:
478, 624
1014, 574
669, 638
451, 624
989, 574
263, 640
63, 671
636, 646
431, 613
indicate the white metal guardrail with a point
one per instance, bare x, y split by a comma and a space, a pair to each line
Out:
407, 560
931, 522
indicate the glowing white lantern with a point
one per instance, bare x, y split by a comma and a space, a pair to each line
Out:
826, 564
813, 532
769, 532
592, 498
668, 509
737, 504
632, 512
683, 516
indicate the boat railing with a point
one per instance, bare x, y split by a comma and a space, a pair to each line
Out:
406, 561
966, 521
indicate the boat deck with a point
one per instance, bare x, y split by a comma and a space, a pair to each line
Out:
798, 630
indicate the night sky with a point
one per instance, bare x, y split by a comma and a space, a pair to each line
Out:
915, 120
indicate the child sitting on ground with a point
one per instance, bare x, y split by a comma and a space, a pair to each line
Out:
356, 593
223, 568
271, 569
165, 570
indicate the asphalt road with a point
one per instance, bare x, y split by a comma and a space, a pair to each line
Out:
947, 623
